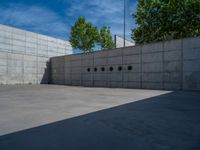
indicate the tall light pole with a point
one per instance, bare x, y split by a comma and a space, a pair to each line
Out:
124, 23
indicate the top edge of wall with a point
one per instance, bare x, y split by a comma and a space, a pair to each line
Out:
8, 28
135, 46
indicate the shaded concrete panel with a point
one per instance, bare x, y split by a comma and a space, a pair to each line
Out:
172, 86
115, 60
135, 68
172, 56
87, 83
100, 54
132, 50
190, 54
115, 77
76, 63
77, 57
129, 84
152, 85
152, 67
100, 77
89, 70
152, 57
191, 80
131, 59
100, 61
88, 77
100, 84
76, 70
172, 45
132, 77
191, 43
76, 82
172, 66
76, 76
115, 52
154, 47
115, 84
191, 65
152, 77
173, 77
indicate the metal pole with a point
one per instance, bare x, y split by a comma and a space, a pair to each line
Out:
124, 23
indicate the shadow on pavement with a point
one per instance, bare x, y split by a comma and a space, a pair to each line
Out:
166, 122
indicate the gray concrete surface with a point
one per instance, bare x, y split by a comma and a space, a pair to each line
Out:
76, 118
24, 55
168, 65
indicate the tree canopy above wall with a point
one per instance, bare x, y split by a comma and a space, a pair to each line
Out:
160, 20
84, 36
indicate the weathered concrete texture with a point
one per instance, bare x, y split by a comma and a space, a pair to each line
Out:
173, 65
76, 118
24, 55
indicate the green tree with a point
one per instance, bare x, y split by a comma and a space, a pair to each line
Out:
160, 20
105, 39
83, 35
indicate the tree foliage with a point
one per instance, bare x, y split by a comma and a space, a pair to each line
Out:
105, 39
83, 35
160, 20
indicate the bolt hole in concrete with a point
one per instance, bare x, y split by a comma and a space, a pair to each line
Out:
111, 69
120, 68
102, 69
95, 69
130, 68
88, 69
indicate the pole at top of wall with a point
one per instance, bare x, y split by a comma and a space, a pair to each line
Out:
124, 23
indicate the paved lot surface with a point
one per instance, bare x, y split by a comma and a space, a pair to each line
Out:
59, 117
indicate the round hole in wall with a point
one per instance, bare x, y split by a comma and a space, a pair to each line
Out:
111, 69
130, 68
102, 69
88, 69
120, 68
95, 69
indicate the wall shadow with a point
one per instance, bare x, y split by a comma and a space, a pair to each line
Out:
166, 122
46, 78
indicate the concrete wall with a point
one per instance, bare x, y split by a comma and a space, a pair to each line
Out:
24, 55
170, 65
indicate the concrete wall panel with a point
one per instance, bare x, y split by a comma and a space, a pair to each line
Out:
152, 57
24, 56
169, 65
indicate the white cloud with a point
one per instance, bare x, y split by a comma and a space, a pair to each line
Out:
104, 12
36, 18
44, 20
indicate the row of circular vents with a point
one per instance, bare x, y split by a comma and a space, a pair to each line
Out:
120, 68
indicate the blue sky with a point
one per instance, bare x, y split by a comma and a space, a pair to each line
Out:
55, 17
